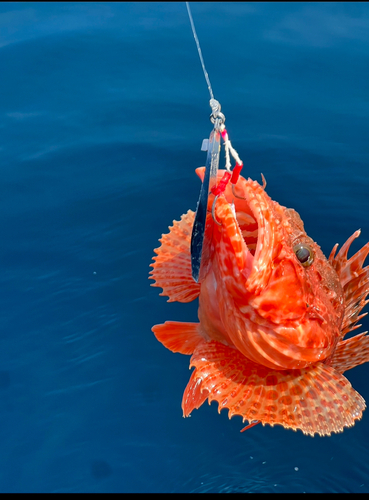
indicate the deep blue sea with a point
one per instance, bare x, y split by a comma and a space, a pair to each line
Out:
103, 109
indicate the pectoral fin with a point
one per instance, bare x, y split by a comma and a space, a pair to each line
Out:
178, 337
172, 267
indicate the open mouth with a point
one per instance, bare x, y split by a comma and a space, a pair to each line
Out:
257, 221
249, 229
247, 221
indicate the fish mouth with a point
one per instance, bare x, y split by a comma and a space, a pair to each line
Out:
258, 219
248, 223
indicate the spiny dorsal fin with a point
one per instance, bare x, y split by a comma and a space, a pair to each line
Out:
354, 280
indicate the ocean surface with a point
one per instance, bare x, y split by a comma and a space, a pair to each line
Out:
103, 109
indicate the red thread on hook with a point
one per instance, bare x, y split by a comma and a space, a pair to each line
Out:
220, 188
236, 173
227, 176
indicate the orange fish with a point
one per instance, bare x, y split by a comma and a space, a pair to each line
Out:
273, 312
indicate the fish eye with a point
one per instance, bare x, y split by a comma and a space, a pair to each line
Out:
304, 254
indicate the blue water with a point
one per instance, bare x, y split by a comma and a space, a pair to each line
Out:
103, 108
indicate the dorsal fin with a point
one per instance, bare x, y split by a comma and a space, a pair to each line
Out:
354, 280
351, 352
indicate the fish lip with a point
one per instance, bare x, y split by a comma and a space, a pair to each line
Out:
262, 209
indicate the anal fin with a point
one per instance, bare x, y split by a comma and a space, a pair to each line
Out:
316, 399
172, 267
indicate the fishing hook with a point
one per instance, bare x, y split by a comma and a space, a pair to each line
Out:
213, 212
243, 198
235, 195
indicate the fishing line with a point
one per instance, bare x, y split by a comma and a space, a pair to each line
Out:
217, 118
199, 50
210, 183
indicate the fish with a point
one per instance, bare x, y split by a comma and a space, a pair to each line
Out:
269, 344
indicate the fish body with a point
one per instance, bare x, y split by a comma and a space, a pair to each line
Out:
273, 312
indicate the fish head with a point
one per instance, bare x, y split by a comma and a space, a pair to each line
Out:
280, 301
